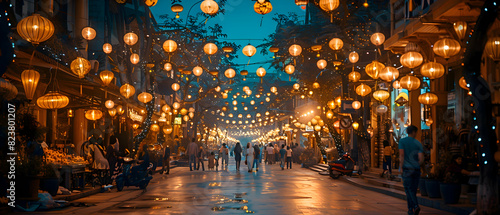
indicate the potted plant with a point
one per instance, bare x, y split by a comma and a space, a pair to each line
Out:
49, 181
450, 189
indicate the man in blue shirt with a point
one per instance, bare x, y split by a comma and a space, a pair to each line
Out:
283, 156
411, 156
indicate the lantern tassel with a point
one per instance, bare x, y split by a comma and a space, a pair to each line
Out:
289, 78
331, 17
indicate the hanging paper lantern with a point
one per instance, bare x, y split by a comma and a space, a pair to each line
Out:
274, 49
301, 2
432, 70
145, 97
166, 108
460, 28
167, 67
107, 48
353, 57
30, 80
315, 85
410, 82
355, 125
356, 105
428, 98
411, 59
261, 72
329, 114
155, 127
93, 114
109, 104
176, 105
328, 5
338, 100
289, 69
80, 66
446, 47
227, 49
169, 46
112, 112
429, 122
150, 3
88, 33
197, 71
191, 115
296, 86
176, 86
249, 50
52, 100
381, 109
268, 99
354, 76
397, 85
230, 73
106, 77
336, 44
134, 58
210, 48
167, 129
185, 118
177, 8
35, 29
336, 124
209, 7
492, 48
374, 68
389, 74
321, 64
130, 38
463, 84
135, 126
274, 89
363, 90
295, 50
331, 104
377, 39
252, 102
127, 90
183, 111
381, 95
263, 7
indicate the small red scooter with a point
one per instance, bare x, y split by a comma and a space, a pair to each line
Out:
343, 166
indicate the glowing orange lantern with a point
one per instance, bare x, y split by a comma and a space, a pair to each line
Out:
107, 48
230, 73
127, 90
289, 69
88, 33
432, 70
249, 50
209, 7
389, 74
363, 90
134, 58
428, 98
321, 64
354, 76
80, 66
30, 80
336, 44
106, 77
169, 46
130, 38
93, 114
446, 47
35, 29
210, 48
353, 57
295, 50
410, 82
374, 68
377, 39
145, 97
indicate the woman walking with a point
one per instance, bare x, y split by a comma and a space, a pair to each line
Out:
288, 157
249, 157
237, 155
387, 164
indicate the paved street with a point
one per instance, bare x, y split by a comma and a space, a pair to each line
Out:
269, 191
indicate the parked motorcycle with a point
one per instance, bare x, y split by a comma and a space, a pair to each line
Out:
134, 174
343, 166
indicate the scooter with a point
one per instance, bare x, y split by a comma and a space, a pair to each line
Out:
134, 175
344, 166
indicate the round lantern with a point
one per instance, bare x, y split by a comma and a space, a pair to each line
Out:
252, 102
263, 8
296, 86
428, 98
134, 58
135, 126
245, 88
492, 48
381, 95
355, 125
249, 50
261, 72
329, 114
374, 68
321, 64
210, 48
274, 49
176, 86
336, 124
30, 80
107, 48
301, 2
130, 38
381, 109
185, 118
389, 74
127, 90
169, 46
52, 100
176, 105
106, 77
397, 85
329, 5
167, 67
150, 3
183, 111
268, 99
289, 69
353, 57
119, 110
446, 47
354, 76
167, 129
35, 29
227, 49
410, 82
191, 110
336, 44
88, 33
411, 59
331, 104
377, 39
463, 84
166, 108
109, 104
145, 97
432, 70
230, 73
235, 102
363, 90
197, 71
209, 7
460, 28
295, 50
191, 115
177, 8
112, 112
356, 105
155, 128
315, 85
317, 128
274, 89
93, 114
429, 122
80, 66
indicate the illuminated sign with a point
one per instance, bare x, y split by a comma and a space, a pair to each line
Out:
178, 120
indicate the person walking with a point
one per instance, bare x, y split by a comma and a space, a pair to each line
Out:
211, 161
288, 157
237, 155
282, 156
192, 152
112, 156
270, 154
276, 152
387, 166
256, 157
249, 157
224, 152
201, 157
411, 155
166, 160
